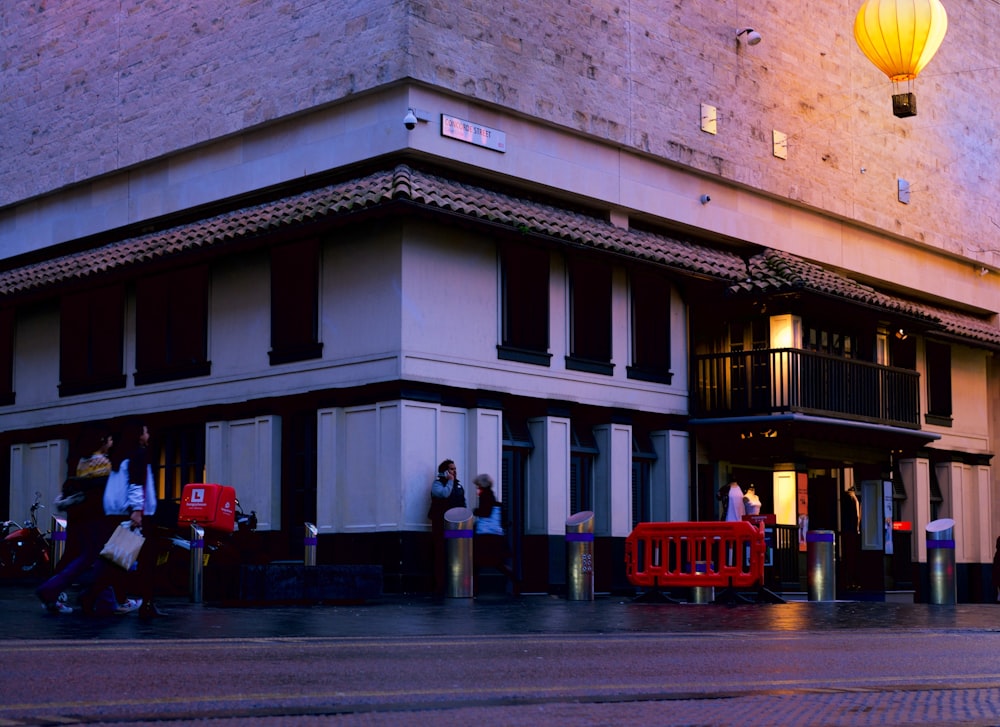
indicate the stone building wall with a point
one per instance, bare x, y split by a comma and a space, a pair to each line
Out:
96, 87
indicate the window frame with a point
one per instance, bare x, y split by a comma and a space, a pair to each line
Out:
524, 304
171, 330
92, 340
590, 341
295, 272
8, 321
937, 360
646, 291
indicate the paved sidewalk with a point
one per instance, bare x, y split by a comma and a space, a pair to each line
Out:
420, 615
547, 660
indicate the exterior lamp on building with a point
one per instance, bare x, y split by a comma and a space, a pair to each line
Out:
900, 37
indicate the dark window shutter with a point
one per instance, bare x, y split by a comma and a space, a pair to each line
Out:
152, 304
295, 302
590, 292
6, 356
526, 298
91, 340
650, 325
172, 325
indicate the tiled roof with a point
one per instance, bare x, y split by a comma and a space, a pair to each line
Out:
778, 271
769, 271
965, 326
773, 271
401, 183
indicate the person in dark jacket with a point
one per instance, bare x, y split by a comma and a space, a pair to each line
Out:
86, 530
446, 492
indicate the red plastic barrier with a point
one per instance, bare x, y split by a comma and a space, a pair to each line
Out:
706, 554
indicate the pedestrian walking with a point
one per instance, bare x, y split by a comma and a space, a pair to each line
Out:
86, 532
490, 545
138, 503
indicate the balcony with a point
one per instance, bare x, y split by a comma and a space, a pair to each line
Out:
788, 380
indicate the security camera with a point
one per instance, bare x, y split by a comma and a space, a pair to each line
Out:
752, 36
410, 120
704, 199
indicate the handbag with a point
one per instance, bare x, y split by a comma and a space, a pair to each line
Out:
490, 525
123, 546
116, 491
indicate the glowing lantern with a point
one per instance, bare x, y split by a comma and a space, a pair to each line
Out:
900, 37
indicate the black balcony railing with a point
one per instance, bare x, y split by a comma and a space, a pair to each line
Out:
773, 381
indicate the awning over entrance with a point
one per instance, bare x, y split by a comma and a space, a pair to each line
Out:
794, 437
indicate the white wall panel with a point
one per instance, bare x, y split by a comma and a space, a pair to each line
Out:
613, 480
355, 491
329, 423
418, 460
547, 499
246, 455
36, 467
680, 476
485, 450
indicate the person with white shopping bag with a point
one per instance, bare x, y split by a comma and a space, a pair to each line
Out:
131, 492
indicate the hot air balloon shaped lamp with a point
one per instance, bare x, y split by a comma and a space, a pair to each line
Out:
900, 37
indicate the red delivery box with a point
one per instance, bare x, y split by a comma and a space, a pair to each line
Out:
209, 505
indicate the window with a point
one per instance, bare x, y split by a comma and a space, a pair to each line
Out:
590, 317
938, 358
172, 326
583, 451
835, 343
650, 318
295, 302
178, 458
6, 356
91, 340
643, 457
936, 498
524, 273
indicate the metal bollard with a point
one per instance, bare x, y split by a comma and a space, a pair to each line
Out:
58, 539
580, 556
702, 594
312, 533
941, 561
197, 562
458, 534
820, 565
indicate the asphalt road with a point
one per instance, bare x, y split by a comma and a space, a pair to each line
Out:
499, 661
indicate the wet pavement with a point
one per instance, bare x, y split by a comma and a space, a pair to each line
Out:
500, 660
418, 615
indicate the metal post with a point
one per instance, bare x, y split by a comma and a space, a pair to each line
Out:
702, 594
820, 565
58, 539
458, 534
197, 562
941, 561
311, 538
580, 556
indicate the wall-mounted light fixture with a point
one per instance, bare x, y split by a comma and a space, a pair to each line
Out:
901, 334
752, 36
